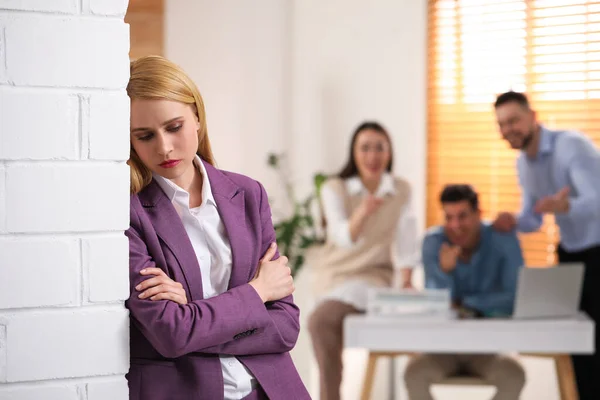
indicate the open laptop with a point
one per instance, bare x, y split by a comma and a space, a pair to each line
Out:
549, 292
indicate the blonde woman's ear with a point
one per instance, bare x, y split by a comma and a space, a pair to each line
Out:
196, 117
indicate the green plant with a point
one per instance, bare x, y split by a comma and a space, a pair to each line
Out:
297, 232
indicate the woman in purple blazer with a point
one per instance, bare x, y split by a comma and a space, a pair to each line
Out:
212, 315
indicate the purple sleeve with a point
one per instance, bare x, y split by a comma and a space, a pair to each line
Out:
174, 329
235, 322
280, 331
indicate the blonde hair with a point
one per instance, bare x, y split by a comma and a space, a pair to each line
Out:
156, 78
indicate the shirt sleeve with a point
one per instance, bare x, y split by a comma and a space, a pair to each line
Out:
338, 224
406, 243
435, 278
527, 220
177, 329
582, 164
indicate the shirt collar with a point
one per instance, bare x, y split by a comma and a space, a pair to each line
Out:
182, 197
355, 186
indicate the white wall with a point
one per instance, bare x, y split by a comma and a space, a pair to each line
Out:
237, 53
356, 60
299, 75
64, 201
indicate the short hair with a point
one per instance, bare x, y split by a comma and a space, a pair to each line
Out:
512, 97
460, 192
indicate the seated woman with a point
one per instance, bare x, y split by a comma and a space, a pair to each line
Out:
371, 239
211, 318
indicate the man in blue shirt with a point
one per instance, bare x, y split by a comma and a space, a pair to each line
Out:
559, 173
480, 266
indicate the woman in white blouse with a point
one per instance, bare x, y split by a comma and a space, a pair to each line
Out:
371, 242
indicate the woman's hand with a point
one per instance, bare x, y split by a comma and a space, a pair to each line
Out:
402, 279
160, 287
406, 276
273, 280
369, 206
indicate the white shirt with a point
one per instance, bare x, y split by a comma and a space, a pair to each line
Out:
406, 244
211, 245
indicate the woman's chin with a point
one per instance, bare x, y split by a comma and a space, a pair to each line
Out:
372, 175
168, 173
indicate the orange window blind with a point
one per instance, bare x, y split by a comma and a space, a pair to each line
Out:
146, 26
549, 49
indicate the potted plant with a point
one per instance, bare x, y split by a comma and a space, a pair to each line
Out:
297, 232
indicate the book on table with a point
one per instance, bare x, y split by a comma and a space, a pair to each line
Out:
409, 302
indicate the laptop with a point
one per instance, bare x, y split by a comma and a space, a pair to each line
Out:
550, 292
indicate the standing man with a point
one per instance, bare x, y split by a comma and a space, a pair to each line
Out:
559, 173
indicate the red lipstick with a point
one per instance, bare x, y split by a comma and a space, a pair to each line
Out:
170, 163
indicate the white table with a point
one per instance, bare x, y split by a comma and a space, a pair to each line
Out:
390, 336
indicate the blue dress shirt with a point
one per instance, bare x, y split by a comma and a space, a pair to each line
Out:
565, 158
488, 281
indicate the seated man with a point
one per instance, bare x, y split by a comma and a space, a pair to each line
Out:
480, 266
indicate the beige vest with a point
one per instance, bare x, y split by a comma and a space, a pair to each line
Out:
370, 258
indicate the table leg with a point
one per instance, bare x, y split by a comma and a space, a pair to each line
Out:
392, 395
566, 377
369, 376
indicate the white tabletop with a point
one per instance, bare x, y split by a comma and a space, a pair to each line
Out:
446, 335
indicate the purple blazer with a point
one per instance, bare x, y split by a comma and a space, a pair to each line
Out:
175, 348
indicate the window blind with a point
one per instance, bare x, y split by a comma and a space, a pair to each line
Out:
549, 49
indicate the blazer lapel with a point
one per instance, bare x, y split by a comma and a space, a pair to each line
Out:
230, 203
169, 228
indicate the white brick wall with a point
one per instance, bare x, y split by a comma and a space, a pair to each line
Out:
60, 6
92, 193
105, 262
39, 272
66, 344
108, 117
50, 109
3, 352
97, 388
64, 199
3, 78
108, 7
66, 51
109, 389
2, 200
46, 392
